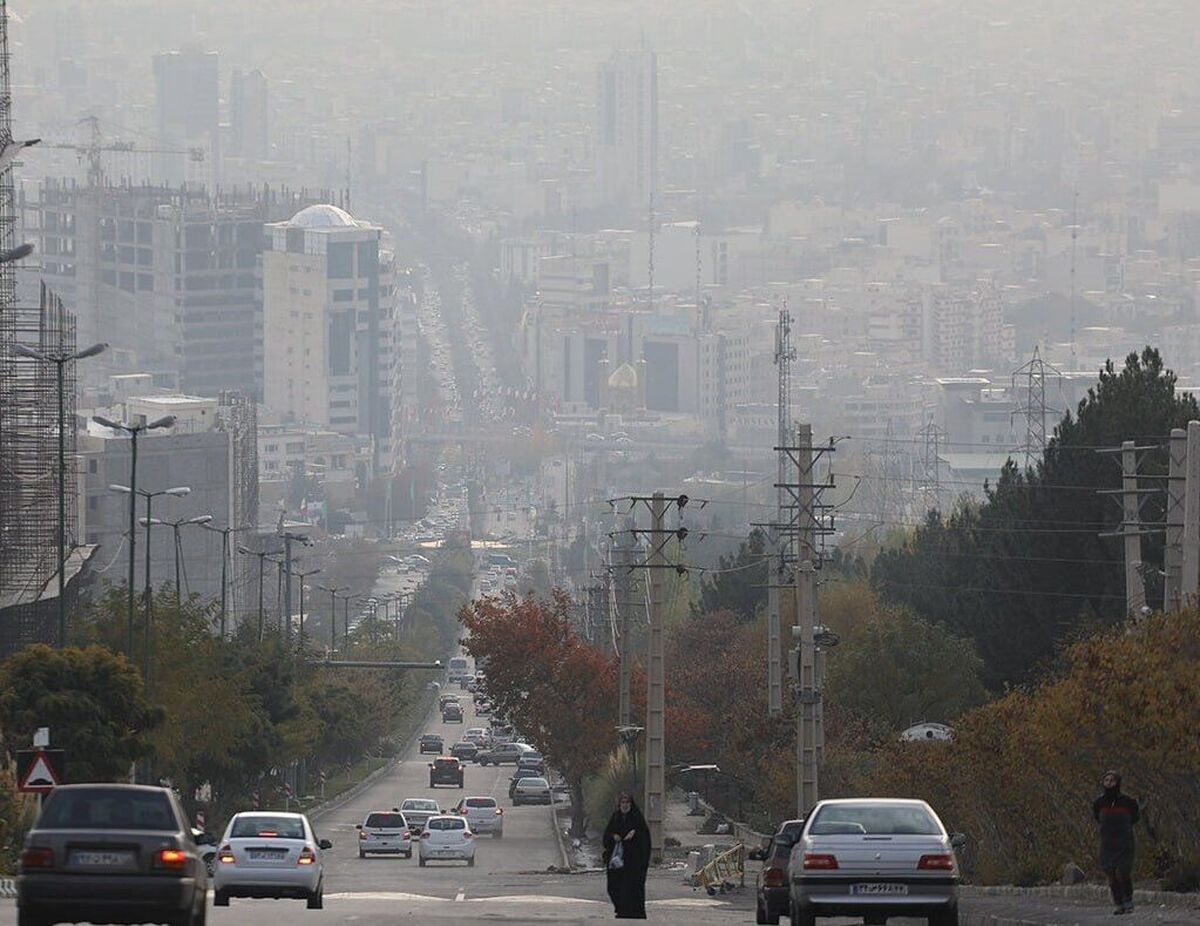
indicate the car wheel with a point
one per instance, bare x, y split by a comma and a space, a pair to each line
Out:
200, 917
760, 913
221, 898
421, 862
802, 915
316, 901
947, 917
471, 862
361, 854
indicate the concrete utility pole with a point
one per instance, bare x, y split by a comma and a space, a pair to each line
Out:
1173, 553
1191, 517
655, 686
784, 355
288, 537
1135, 585
806, 608
624, 605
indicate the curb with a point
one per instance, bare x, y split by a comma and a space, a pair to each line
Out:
562, 849
1095, 892
991, 919
8, 888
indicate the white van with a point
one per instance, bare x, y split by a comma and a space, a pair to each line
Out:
458, 668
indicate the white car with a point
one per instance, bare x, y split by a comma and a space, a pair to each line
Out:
270, 854
483, 815
446, 837
417, 811
386, 832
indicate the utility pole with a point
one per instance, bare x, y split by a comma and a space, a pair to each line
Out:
288, 537
655, 688
225, 554
333, 593
1191, 517
1132, 528
784, 355
624, 577
1176, 490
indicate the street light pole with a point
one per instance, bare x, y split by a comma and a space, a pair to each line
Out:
60, 361
303, 577
133, 430
224, 532
333, 591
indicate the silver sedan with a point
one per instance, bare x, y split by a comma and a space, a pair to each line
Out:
874, 858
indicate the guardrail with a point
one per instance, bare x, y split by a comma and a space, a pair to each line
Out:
716, 877
8, 888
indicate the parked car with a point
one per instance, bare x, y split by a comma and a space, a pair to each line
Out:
111, 852
772, 883
452, 713
445, 770
532, 791
534, 760
464, 750
874, 858
384, 831
483, 815
483, 707
477, 735
270, 854
446, 837
431, 742
417, 810
517, 776
503, 753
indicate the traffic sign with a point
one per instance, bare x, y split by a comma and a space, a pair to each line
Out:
40, 771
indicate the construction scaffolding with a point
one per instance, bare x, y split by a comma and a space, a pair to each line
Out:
29, 478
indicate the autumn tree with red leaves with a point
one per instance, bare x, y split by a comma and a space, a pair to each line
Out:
558, 690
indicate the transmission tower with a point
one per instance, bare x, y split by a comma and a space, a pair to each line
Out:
1074, 240
931, 483
1032, 377
781, 540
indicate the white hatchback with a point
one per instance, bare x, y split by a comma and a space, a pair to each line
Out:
483, 815
270, 854
386, 832
446, 838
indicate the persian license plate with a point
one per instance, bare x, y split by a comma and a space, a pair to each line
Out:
266, 855
96, 859
886, 889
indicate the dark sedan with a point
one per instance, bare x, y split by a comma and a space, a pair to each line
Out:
111, 853
772, 881
464, 750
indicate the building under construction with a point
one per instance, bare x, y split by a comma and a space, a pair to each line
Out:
29, 477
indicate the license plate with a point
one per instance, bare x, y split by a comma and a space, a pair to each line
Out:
102, 859
879, 889
263, 855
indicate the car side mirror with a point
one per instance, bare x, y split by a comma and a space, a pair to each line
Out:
206, 839
958, 840
324, 844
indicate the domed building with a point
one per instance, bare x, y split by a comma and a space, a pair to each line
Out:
327, 297
623, 391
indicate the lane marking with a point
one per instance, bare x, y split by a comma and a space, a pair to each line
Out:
461, 895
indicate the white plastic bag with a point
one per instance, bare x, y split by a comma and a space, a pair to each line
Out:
617, 859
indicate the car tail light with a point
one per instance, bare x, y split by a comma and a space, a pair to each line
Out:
939, 862
499, 811
405, 835
468, 835
817, 862
307, 857
775, 877
425, 835
174, 859
225, 856
37, 857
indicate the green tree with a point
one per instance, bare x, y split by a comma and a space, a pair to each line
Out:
738, 584
1027, 569
92, 701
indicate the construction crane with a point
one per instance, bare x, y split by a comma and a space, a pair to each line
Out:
96, 145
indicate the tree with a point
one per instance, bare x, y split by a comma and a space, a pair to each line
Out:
738, 584
559, 691
92, 701
1027, 570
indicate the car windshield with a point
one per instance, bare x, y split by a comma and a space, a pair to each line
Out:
268, 827
447, 763
534, 783
447, 823
384, 821
108, 809
419, 805
874, 820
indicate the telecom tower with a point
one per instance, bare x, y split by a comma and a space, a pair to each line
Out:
781, 552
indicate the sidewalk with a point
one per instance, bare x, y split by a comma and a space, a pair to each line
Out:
679, 826
980, 907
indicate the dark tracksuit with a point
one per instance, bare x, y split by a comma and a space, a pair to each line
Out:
1117, 813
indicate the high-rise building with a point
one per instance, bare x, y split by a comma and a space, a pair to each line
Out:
168, 277
186, 105
327, 308
249, 116
626, 139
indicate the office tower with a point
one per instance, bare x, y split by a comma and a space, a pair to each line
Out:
248, 115
186, 101
627, 129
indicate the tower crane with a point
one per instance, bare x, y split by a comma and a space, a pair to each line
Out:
96, 144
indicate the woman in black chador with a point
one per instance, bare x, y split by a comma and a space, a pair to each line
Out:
627, 857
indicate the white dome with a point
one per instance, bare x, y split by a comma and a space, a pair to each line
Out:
324, 216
